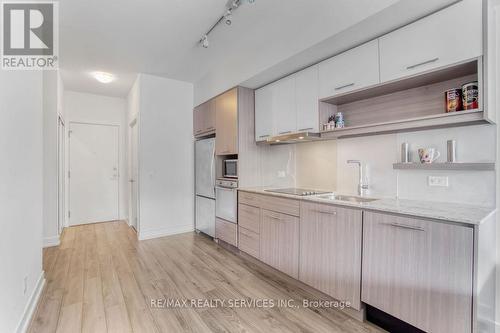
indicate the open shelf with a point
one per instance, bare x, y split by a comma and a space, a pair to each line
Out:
412, 103
446, 166
451, 119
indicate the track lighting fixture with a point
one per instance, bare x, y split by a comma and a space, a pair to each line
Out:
204, 41
227, 18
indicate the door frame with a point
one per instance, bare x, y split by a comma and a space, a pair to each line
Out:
134, 122
69, 164
61, 174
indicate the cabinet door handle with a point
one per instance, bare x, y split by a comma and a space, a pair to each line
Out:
344, 86
305, 129
275, 217
422, 63
326, 212
286, 132
264, 136
404, 226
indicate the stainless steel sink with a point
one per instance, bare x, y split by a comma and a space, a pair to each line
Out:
349, 198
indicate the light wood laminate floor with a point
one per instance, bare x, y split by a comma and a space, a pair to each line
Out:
101, 279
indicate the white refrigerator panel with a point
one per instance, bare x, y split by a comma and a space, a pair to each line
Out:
205, 215
205, 167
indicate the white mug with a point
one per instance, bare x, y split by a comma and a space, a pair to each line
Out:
428, 155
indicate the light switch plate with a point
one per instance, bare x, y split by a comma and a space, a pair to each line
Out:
441, 181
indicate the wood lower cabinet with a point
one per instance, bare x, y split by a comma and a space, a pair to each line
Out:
279, 241
249, 242
419, 271
226, 231
249, 218
330, 250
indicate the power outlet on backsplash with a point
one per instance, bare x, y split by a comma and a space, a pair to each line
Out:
440, 181
281, 174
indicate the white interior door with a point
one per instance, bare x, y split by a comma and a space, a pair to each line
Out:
94, 173
134, 174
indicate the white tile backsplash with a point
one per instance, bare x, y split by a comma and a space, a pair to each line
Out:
289, 165
377, 154
474, 144
278, 166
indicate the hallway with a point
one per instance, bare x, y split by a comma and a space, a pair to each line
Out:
101, 279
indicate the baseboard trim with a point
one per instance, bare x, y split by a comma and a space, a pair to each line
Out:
51, 241
30, 308
162, 232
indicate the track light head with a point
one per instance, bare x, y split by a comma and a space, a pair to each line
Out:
204, 42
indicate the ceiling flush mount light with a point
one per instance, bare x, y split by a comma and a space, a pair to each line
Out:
103, 77
227, 18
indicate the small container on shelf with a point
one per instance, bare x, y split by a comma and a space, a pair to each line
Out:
470, 96
451, 146
453, 100
405, 152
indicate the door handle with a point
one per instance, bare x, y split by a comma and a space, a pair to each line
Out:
422, 63
326, 212
404, 226
131, 181
305, 129
344, 86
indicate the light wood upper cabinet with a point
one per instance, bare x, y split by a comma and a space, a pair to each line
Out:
306, 99
204, 118
419, 271
351, 70
264, 124
283, 106
446, 37
226, 113
330, 250
279, 242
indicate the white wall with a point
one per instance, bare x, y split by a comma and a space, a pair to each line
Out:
50, 119
166, 162
98, 109
21, 203
133, 107
494, 100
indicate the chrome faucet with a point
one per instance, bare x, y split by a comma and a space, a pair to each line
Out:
361, 186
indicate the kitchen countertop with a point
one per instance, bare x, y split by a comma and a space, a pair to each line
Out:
448, 212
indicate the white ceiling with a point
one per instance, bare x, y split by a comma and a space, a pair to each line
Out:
159, 37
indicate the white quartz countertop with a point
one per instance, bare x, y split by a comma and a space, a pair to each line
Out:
448, 212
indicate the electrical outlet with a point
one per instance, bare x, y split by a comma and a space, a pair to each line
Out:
440, 181
25, 285
281, 174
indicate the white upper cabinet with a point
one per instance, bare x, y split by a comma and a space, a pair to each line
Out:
306, 99
446, 37
284, 108
264, 113
351, 70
